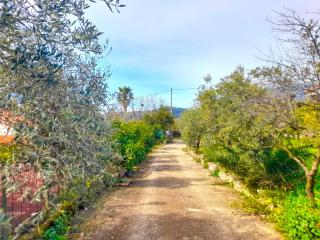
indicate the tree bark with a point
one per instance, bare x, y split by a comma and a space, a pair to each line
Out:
197, 142
3, 194
309, 187
310, 177
310, 174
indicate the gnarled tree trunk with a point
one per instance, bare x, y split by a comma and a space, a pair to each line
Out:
310, 174
310, 177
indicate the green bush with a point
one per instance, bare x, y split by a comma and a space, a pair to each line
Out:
162, 118
6, 153
291, 212
243, 163
59, 230
135, 153
215, 173
135, 140
268, 168
191, 126
297, 219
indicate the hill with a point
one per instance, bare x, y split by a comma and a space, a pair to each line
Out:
178, 111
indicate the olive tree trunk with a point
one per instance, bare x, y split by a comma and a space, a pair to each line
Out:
310, 177
310, 174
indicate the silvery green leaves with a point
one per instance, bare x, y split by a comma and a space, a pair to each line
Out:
48, 60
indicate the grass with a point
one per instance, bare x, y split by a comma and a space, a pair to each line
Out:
215, 173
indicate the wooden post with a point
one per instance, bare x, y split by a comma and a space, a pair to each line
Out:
171, 131
4, 229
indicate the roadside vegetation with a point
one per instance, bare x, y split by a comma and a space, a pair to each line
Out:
134, 140
55, 104
263, 126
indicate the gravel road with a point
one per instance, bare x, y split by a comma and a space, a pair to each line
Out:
173, 197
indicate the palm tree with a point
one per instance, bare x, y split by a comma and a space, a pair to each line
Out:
124, 97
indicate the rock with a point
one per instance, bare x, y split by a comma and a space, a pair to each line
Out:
212, 166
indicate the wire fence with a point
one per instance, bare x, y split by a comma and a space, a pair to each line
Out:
19, 199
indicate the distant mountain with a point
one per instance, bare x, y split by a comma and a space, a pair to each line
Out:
177, 111
139, 115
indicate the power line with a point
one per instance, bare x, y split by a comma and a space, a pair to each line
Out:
167, 91
183, 89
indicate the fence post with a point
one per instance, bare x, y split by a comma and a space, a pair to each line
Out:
4, 229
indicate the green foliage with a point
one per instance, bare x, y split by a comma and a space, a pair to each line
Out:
55, 96
191, 127
5, 224
124, 97
298, 219
134, 140
215, 173
291, 211
238, 126
7, 153
59, 230
162, 118
270, 142
252, 205
230, 123
134, 153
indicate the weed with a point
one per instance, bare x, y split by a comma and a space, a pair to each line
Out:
59, 230
215, 173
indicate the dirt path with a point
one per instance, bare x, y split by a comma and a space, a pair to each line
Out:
173, 197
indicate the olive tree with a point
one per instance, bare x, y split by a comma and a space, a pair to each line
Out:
292, 120
296, 76
161, 117
49, 78
190, 124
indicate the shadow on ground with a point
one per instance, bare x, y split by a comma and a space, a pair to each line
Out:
165, 182
173, 226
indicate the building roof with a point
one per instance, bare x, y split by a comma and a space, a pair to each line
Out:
7, 119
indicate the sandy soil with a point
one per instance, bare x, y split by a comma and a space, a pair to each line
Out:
173, 197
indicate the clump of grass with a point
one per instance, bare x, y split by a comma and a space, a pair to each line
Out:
59, 230
215, 173
251, 205
197, 159
205, 165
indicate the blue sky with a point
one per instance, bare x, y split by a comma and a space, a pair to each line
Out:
161, 44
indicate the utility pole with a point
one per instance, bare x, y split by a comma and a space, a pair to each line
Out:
171, 131
171, 102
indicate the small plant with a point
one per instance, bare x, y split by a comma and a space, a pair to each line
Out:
205, 165
5, 225
297, 219
135, 140
253, 205
215, 173
59, 230
197, 159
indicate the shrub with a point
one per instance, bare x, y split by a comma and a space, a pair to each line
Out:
135, 140
162, 118
135, 153
215, 173
6, 153
191, 127
298, 219
59, 230
243, 164
268, 168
